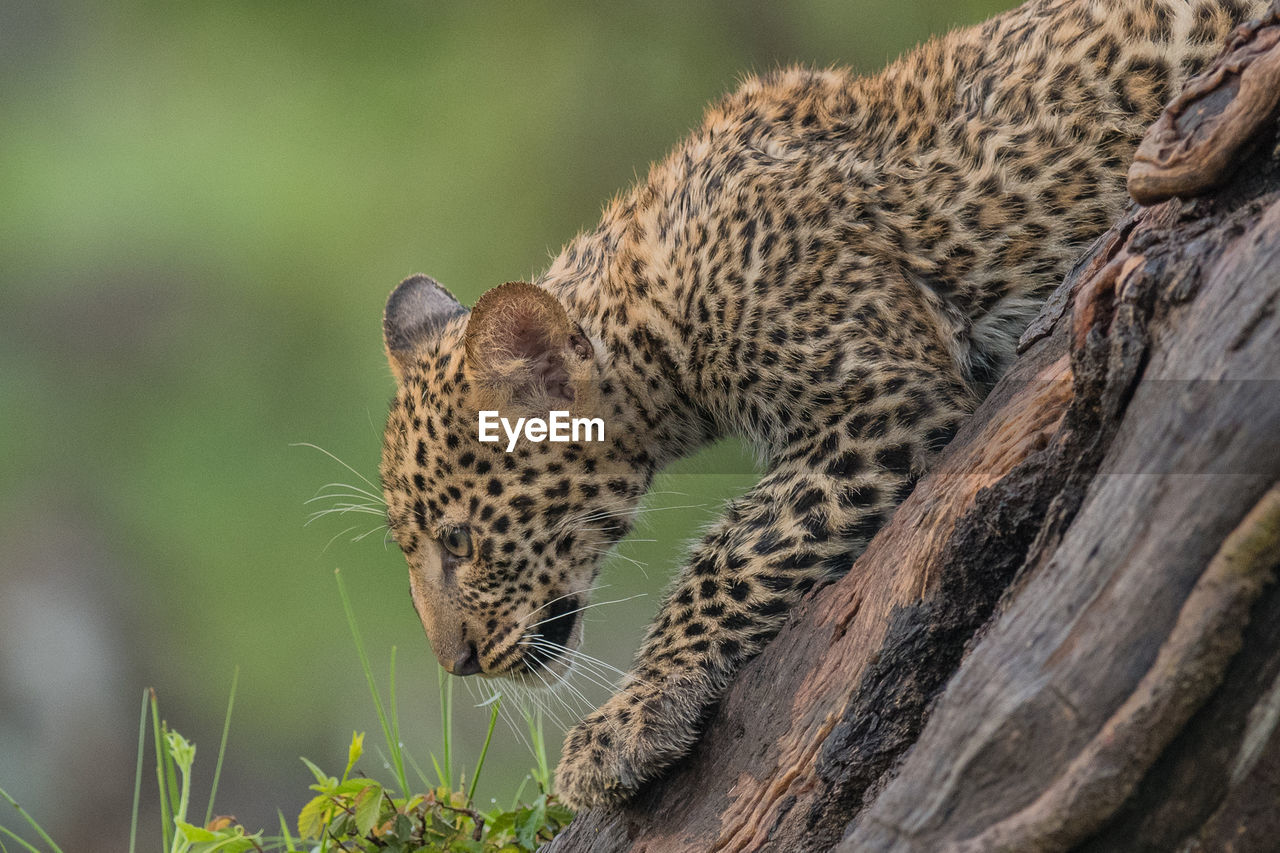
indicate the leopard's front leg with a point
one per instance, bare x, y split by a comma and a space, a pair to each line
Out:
802, 524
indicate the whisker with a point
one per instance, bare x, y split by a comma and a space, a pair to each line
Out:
592, 677
557, 691
505, 712
596, 663
618, 507
564, 684
531, 613
349, 507
543, 706
638, 511
337, 485
372, 485
567, 683
558, 652
599, 664
632, 560
354, 497
588, 607
565, 655
605, 671
343, 510
337, 537
368, 533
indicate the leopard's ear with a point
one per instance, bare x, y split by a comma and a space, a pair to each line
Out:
416, 311
520, 339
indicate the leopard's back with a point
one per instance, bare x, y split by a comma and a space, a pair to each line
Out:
978, 166
1005, 147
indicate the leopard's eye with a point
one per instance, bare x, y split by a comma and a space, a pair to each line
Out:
457, 541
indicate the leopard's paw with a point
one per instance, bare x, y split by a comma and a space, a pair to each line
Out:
626, 742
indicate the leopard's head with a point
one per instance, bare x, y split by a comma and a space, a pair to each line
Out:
503, 547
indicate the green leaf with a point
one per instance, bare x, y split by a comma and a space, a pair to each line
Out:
502, 823
182, 750
314, 816
529, 822
367, 804
439, 828
559, 813
229, 840
227, 845
323, 783
351, 787
195, 833
354, 752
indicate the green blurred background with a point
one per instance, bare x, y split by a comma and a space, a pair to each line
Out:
204, 206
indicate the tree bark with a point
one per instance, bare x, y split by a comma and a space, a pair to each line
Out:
1068, 636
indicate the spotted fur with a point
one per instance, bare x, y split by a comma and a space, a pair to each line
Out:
835, 268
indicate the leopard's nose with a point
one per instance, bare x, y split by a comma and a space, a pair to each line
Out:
467, 662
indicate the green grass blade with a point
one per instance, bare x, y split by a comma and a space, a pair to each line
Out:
444, 687
533, 721
16, 838
439, 773
515, 801
395, 728
166, 819
184, 799
44, 836
396, 757
137, 775
484, 750
444, 728
171, 776
284, 831
448, 730
222, 747
416, 769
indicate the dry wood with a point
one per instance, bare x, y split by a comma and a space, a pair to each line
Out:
1195, 145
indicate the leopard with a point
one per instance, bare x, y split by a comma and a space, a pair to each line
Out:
832, 268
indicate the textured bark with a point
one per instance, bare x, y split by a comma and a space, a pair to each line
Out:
1068, 636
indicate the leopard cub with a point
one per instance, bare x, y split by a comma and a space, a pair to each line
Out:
835, 269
